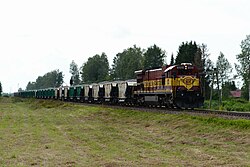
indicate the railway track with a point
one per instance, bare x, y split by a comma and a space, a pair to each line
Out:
236, 114
224, 114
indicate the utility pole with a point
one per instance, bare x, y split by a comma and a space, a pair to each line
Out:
218, 86
249, 91
215, 72
221, 93
249, 84
212, 87
204, 85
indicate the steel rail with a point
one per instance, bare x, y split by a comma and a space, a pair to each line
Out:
160, 109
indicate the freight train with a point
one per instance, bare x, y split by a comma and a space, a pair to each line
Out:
170, 86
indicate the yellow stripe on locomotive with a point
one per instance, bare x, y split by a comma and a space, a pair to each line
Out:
187, 81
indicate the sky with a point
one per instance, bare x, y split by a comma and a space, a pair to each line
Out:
38, 36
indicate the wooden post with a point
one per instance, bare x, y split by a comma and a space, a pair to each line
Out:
249, 90
218, 86
211, 92
249, 84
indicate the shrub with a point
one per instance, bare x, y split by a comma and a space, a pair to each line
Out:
230, 105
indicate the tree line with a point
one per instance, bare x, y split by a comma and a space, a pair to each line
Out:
215, 75
97, 69
50, 79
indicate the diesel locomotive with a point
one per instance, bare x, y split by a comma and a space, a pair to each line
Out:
169, 86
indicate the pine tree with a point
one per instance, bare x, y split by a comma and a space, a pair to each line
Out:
153, 57
172, 59
186, 53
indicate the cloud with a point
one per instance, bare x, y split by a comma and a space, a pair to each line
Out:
39, 36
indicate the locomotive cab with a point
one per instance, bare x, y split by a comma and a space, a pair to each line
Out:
186, 86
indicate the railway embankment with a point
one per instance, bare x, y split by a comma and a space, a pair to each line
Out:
54, 133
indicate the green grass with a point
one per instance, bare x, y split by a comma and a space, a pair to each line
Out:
230, 105
53, 133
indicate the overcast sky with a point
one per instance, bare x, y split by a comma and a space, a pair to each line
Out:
37, 37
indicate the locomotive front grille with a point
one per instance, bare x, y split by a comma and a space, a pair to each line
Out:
189, 99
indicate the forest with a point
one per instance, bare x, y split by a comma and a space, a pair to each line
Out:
216, 77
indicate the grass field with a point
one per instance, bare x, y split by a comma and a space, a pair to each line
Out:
52, 133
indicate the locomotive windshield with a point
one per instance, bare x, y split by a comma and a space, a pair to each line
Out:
184, 72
